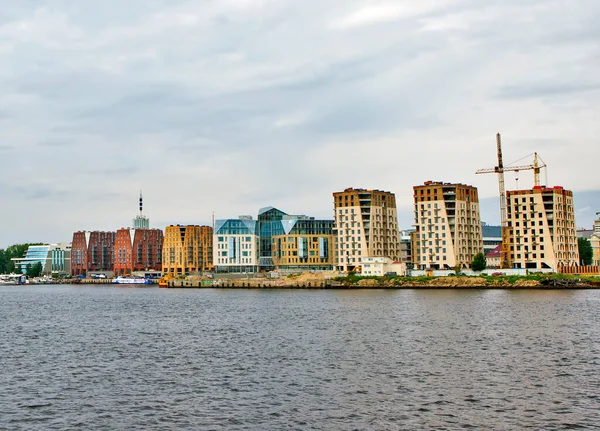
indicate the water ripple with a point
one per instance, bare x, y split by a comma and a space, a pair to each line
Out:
154, 359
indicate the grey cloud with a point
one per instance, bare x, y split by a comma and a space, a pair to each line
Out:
262, 103
548, 90
115, 171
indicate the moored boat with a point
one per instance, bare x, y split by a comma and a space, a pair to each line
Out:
13, 279
131, 280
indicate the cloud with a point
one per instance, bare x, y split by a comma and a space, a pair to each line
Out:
372, 14
536, 90
238, 104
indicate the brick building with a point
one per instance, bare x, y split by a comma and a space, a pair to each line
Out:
92, 252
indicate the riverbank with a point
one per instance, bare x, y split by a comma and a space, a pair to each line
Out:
317, 281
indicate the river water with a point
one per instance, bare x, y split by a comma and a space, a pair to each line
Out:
114, 358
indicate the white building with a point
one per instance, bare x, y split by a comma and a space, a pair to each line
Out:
236, 245
380, 266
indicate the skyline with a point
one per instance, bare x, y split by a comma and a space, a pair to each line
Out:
235, 105
488, 207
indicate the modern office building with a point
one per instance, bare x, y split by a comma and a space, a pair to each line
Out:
54, 258
406, 248
185, 249
236, 245
448, 226
269, 224
276, 240
541, 228
366, 225
303, 243
492, 237
92, 252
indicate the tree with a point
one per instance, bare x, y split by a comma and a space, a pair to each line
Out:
34, 270
586, 253
7, 265
479, 263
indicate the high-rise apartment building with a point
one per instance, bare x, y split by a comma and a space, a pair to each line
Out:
186, 249
366, 225
448, 226
541, 228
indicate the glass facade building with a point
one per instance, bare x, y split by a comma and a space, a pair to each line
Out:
274, 240
54, 258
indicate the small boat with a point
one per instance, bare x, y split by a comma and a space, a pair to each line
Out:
164, 281
13, 279
131, 280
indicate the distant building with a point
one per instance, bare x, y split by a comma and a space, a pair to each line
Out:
141, 221
448, 226
186, 249
380, 266
492, 237
541, 228
140, 248
236, 245
54, 258
595, 240
406, 249
493, 257
366, 225
92, 252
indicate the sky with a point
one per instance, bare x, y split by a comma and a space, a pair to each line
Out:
227, 106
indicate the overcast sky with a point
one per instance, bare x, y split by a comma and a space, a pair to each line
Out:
233, 105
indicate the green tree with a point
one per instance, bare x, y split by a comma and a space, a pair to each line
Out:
479, 263
586, 253
34, 270
16, 250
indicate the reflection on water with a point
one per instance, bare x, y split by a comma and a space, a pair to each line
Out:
126, 358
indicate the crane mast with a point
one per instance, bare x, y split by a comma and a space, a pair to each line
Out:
504, 261
500, 170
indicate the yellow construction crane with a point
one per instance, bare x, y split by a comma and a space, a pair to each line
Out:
500, 169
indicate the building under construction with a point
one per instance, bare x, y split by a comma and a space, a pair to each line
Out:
538, 225
540, 228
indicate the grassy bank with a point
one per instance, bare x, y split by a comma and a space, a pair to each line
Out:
483, 280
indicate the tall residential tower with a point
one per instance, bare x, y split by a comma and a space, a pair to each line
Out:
541, 228
448, 226
366, 225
